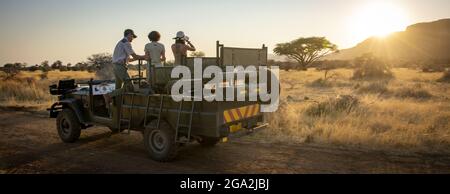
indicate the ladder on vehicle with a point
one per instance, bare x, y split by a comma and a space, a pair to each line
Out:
122, 108
132, 107
188, 125
156, 115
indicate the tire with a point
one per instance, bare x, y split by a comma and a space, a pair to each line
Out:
68, 126
209, 141
160, 143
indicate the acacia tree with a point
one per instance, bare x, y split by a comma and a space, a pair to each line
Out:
102, 63
306, 50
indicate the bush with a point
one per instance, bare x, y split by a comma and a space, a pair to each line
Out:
374, 88
368, 67
341, 104
63, 68
44, 75
319, 83
412, 93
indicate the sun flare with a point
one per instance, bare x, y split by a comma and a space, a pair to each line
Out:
379, 19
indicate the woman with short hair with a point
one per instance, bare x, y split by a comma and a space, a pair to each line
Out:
154, 52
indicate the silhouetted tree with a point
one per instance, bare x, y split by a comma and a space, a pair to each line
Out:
63, 68
33, 68
102, 65
57, 65
100, 60
45, 66
306, 50
80, 66
12, 70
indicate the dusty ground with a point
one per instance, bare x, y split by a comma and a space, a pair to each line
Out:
29, 144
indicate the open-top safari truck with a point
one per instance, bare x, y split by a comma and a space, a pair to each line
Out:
164, 123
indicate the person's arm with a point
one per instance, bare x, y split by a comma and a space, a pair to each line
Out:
190, 46
131, 52
163, 54
138, 57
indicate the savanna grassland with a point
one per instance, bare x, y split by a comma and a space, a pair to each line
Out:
409, 112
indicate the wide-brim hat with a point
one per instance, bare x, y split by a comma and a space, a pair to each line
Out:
181, 36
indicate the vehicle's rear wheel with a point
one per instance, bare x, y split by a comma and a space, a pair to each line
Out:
160, 143
209, 141
69, 128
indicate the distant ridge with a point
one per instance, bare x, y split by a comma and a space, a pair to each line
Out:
422, 41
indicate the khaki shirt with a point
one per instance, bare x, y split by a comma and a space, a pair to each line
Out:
122, 51
156, 51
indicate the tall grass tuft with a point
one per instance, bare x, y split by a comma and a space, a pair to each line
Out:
24, 90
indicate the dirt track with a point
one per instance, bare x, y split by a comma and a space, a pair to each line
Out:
29, 144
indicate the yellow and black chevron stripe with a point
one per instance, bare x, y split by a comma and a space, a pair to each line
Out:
241, 113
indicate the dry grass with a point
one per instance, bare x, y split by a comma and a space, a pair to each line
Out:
29, 90
411, 112
387, 90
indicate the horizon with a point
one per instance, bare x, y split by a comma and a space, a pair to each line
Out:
48, 30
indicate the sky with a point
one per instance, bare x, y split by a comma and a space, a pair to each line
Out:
71, 30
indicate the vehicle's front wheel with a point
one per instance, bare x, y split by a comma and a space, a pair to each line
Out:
160, 143
69, 128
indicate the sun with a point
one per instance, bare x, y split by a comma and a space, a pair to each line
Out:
378, 19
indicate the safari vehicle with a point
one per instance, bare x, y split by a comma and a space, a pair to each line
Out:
165, 124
